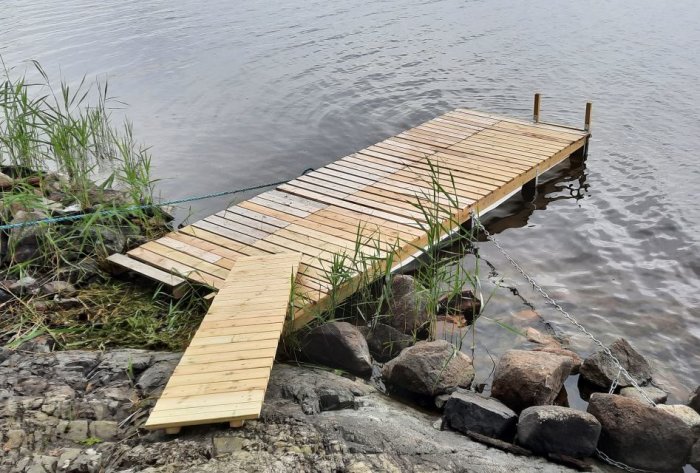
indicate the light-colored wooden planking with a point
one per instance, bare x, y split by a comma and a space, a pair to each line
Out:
371, 195
223, 374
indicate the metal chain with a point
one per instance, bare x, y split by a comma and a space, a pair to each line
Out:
614, 384
559, 308
618, 464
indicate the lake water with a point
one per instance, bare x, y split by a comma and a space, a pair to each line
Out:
231, 94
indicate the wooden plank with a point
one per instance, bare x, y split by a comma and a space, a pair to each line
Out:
146, 270
270, 220
222, 241
230, 375
175, 267
197, 392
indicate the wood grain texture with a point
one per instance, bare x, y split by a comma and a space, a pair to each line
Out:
223, 374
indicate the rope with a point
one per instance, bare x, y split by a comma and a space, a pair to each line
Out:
112, 212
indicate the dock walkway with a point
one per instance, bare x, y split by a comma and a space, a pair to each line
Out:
223, 374
480, 158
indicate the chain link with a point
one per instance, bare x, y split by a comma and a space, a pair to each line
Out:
559, 308
618, 464
614, 384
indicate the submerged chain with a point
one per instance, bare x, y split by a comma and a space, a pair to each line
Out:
559, 308
618, 464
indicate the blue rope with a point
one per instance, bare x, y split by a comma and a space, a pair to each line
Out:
112, 212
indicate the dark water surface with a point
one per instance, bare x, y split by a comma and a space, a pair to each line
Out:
231, 94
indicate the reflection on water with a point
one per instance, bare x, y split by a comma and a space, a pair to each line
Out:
231, 94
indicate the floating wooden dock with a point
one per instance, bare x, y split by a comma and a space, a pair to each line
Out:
481, 159
222, 377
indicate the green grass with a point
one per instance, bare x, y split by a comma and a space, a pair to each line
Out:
112, 314
59, 143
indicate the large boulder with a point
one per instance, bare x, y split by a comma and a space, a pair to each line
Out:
599, 368
695, 456
694, 400
338, 345
430, 368
576, 360
639, 435
408, 306
685, 413
529, 378
385, 342
559, 430
466, 411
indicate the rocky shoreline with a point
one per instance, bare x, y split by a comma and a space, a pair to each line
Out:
80, 411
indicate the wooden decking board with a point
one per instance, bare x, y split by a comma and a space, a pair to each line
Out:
480, 158
233, 348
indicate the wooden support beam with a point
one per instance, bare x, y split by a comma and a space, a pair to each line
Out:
587, 119
536, 109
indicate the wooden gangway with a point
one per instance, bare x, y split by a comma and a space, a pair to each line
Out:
480, 158
223, 374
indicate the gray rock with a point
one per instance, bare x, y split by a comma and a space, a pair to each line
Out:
657, 395
639, 435
408, 306
24, 286
14, 439
88, 460
80, 272
61, 288
6, 182
694, 400
338, 345
430, 368
75, 430
155, 377
558, 430
685, 413
386, 342
227, 444
43, 464
31, 386
527, 378
317, 390
66, 458
40, 344
467, 411
695, 456
25, 242
104, 429
600, 370
104, 240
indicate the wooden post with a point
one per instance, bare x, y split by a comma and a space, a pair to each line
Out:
587, 120
536, 109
